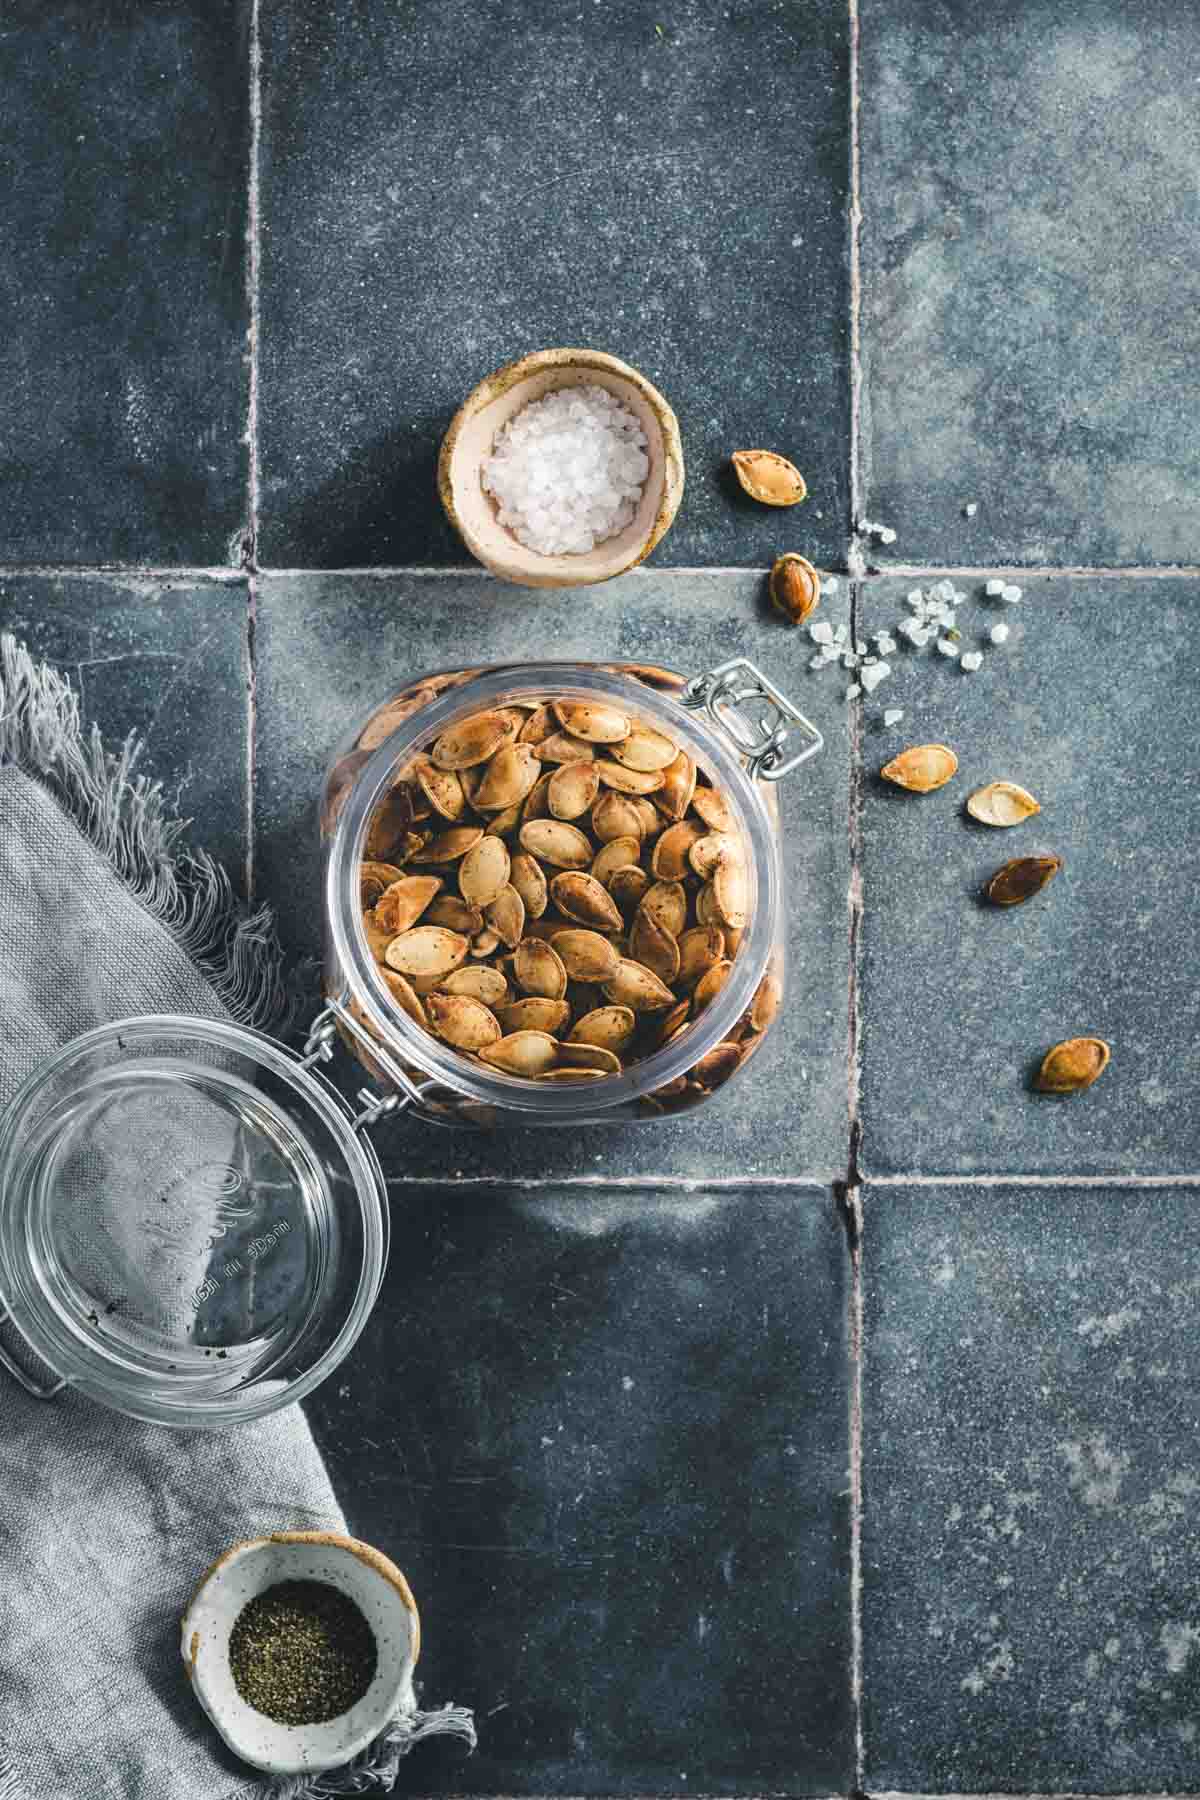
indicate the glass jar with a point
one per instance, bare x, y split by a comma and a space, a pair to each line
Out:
732, 723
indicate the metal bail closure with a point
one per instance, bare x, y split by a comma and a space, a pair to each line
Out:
321, 1042
722, 691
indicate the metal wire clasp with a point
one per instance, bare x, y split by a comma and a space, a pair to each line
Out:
319, 1047
720, 692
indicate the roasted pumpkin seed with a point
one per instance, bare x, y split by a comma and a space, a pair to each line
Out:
922, 768
472, 740
523, 1053
401, 904
556, 842
483, 983
586, 900
637, 987
573, 787
609, 1027
527, 877
1073, 1065
538, 969
768, 477
483, 872
427, 950
462, 1021
593, 721
585, 955
1002, 803
535, 1013
1019, 880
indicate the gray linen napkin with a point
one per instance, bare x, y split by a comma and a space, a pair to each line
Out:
106, 1524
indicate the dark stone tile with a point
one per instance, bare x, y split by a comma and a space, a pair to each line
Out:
330, 647
124, 132
165, 659
1086, 707
604, 1433
1031, 318
1031, 1549
446, 188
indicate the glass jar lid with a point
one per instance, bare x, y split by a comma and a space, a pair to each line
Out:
192, 1229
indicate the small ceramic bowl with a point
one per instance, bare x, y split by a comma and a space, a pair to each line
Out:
472, 511
369, 1579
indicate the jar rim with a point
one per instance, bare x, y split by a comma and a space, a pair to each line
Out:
498, 684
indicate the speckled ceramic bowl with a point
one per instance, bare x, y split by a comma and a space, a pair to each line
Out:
375, 1585
472, 433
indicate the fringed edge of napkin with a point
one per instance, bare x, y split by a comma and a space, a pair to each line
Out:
123, 815
375, 1770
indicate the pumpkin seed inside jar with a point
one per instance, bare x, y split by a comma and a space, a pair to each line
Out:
590, 900
301, 1652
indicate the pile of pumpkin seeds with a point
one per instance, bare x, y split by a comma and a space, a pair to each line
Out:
551, 891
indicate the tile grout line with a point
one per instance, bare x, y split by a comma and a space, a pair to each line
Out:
681, 1184
227, 573
253, 265
251, 729
853, 1209
1096, 1181
857, 502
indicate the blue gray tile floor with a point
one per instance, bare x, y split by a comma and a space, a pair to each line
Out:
840, 1437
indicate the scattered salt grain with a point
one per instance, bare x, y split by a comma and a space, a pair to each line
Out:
972, 661
915, 597
853, 691
994, 589
999, 634
886, 642
860, 647
1010, 594
566, 471
970, 509
886, 534
849, 661
872, 677
817, 662
947, 646
829, 582
821, 632
893, 715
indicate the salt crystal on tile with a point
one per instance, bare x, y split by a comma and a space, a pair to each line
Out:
821, 632
872, 677
944, 590
829, 582
886, 534
947, 646
1010, 594
893, 715
840, 634
817, 662
972, 661
915, 597
849, 661
970, 509
886, 642
999, 634
853, 691
994, 589
860, 647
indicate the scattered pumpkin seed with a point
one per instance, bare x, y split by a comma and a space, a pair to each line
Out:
1019, 880
1002, 803
768, 477
795, 587
922, 768
1072, 1065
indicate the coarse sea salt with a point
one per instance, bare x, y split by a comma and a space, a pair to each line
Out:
567, 471
999, 634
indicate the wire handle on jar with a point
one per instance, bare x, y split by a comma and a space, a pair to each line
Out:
719, 692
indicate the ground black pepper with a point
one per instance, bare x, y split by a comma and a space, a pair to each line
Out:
300, 1652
